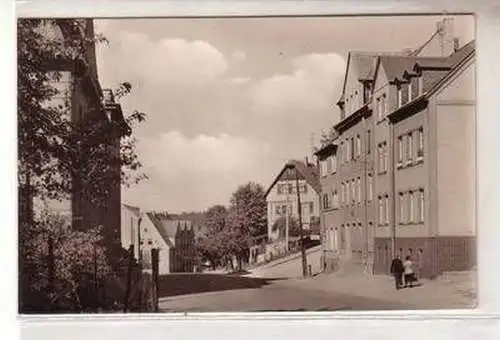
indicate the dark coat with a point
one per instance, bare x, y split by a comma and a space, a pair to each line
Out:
397, 267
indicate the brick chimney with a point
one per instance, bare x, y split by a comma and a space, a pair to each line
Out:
446, 37
456, 44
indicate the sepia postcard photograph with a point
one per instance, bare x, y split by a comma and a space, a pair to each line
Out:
246, 164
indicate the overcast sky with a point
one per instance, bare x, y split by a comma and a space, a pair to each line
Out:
230, 100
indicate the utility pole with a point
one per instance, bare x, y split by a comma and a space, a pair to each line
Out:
287, 215
392, 168
299, 210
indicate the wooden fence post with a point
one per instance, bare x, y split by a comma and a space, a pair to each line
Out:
130, 268
155, 266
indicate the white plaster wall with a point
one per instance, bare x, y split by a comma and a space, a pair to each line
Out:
149, 233
456, 173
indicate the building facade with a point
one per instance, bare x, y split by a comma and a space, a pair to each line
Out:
282, 198
129, 227
432, 135
389, 179
173, 238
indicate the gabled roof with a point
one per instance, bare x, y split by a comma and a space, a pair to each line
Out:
168, 227
135, 210
364, 62
309, 172
434, 82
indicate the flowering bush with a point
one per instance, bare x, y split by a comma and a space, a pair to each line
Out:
64, 269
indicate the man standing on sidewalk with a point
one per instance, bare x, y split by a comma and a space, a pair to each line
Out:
397, 270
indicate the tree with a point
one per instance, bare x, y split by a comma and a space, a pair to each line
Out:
211, 245
54, 150
246, 218
52, 146
293, 227
328, 136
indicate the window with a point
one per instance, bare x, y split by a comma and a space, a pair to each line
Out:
400, 97
342, 158
278, 209
342, 193
335, 199
353, 191
368, 142
411, 209
401, 208
386, 156
348, 192
410, 90
150, 241
404, 93
422, 205
386, 206
334, 163
322, 169
303, 188
400, 150
380, 158
370, 187
420, 86
329, 164
347, 151
381, 210
409, 148
358, 146
311, 208
359, 189
420, 147
352, 148
326, 203
290, 188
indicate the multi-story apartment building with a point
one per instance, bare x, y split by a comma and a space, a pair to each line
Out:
347, 169
429, 128
282, 198
389, 183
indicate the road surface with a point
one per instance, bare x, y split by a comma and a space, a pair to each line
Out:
273, 287
279, 295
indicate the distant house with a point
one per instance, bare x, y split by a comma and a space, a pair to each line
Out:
173, 237
129, 229
281, 197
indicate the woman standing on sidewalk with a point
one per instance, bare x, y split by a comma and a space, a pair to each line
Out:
409, 274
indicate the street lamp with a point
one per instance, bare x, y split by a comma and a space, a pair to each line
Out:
299, 210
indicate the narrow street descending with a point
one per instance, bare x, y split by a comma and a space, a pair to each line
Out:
278, 296
277, 286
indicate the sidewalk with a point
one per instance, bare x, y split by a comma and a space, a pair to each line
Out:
449, 291
285, 259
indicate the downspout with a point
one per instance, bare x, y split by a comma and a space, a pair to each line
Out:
393, 187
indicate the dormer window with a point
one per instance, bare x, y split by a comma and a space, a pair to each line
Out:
400, 96
410, 90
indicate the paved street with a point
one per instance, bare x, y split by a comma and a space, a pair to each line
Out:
274, 287
286, 295
277, 287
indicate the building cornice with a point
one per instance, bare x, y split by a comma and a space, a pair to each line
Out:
409, 109
346, 123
